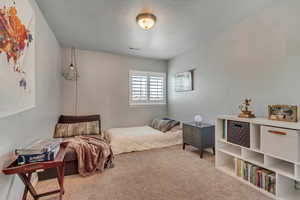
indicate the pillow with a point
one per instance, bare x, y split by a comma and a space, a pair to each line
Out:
63, 130
166, 118
155, 123
164, 124
173, 123
176, 128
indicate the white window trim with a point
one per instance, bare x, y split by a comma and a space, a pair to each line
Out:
148, 102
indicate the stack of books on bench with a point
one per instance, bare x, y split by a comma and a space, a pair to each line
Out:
39, 151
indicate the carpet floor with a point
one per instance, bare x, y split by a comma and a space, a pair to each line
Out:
159, 174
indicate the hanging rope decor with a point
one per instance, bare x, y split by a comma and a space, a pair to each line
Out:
71, 72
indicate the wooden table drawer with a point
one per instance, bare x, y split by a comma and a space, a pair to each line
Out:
280, 142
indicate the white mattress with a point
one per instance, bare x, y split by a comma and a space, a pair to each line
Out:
140, 138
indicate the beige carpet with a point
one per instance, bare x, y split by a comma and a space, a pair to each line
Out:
161, 174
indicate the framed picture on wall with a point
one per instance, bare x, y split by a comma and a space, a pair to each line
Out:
184, 81
17, 57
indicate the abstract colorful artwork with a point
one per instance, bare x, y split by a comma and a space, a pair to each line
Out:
17, 56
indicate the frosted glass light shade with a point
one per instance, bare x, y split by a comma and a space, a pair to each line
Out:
198, 118
146, 20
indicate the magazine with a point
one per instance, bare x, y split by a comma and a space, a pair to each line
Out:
39, 147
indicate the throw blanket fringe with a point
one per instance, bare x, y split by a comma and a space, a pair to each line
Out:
93, 154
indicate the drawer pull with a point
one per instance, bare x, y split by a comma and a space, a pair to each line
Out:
277, 132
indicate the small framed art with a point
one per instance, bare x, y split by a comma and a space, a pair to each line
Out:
184, 81
286, 113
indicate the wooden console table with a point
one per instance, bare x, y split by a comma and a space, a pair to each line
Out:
25, 173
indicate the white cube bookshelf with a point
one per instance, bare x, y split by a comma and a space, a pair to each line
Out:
287, 170
298, 171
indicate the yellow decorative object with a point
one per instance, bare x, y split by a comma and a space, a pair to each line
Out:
244, 107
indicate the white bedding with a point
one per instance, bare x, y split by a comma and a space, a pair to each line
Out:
141, 138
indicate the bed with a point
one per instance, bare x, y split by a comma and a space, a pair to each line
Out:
71, 163
124, 140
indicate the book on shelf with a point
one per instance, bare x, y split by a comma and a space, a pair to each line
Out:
41, 157
39, 147
260, 177
238, 171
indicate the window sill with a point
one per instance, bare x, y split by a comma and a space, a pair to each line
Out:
139, 105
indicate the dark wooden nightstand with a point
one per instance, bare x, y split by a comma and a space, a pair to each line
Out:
201, 136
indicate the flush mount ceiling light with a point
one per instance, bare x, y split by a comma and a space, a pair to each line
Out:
146, 20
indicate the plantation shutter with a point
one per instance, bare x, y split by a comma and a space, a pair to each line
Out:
139, 88
146, 88
156, 88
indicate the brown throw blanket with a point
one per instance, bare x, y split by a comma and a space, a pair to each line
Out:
93, 154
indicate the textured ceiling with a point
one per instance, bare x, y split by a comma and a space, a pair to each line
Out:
109, 25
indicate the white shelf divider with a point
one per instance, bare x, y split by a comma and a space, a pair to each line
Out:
255, 136
253, 157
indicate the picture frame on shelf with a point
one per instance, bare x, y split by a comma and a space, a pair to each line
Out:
287, 113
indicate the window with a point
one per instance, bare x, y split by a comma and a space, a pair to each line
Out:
146, 88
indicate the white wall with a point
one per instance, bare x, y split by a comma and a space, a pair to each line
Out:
20, 129
103, 88
257, 58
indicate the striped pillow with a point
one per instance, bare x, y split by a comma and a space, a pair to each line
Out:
76, 129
